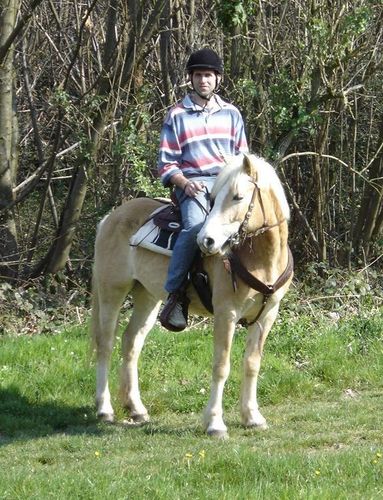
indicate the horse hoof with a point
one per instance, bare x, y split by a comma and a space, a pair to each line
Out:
217, 434
107, 418
262, 427
257, 427
140, 419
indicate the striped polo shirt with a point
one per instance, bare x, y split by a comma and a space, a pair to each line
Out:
194, 140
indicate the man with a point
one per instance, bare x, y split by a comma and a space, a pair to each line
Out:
197, 134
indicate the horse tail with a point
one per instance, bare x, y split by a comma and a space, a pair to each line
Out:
95, 316
95, 329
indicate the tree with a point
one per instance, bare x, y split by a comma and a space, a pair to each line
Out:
92, 82
9, 256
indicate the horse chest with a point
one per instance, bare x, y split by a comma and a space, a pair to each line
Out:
252, 304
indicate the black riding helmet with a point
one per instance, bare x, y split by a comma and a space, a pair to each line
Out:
205, 59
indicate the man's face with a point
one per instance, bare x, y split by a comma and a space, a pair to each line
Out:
204, 81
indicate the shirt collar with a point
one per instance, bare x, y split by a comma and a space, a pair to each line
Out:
189, 104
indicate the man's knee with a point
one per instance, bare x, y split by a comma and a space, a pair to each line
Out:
193, 228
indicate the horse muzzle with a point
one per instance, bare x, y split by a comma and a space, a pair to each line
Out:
216, 239
207, 245
211, 246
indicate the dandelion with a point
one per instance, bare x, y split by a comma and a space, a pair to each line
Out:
187, 458
97, 454
317, 472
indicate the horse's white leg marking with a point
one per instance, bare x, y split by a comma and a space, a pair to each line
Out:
105, 317
213, 415
104, 406
256, 337
144, 316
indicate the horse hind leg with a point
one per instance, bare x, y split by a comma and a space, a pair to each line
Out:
105, 311
142, 320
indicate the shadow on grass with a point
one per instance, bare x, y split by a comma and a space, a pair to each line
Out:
23, 419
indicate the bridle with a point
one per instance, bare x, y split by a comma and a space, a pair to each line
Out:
243, 234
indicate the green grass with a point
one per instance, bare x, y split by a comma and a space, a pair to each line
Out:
321, 390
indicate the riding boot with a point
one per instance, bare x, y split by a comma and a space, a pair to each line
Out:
174, 314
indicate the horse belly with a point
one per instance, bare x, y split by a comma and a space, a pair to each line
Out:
150, 270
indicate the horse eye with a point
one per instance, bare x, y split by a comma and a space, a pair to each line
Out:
237, 197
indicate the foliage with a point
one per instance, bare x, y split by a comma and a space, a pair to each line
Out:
325, 289
233, 13
288, 104
318, 291
306, 79
137, 148
45, 305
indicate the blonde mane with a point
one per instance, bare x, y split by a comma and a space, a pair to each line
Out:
267, 179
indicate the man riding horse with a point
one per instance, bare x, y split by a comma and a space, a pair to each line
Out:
197, 134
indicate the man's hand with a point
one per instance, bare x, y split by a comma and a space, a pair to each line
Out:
190, 187
193, 187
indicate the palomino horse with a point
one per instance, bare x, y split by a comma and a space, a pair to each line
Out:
248, 223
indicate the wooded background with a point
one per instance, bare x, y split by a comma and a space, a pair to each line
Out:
84, 88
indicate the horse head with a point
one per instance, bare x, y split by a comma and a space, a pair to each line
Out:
248, 199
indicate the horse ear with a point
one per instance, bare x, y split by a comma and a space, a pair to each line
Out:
248, 166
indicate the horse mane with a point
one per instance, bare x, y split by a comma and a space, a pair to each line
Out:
267, 178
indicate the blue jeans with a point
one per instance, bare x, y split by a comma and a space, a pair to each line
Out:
185, 248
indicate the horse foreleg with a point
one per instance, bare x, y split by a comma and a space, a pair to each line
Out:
144, 315
213, 414
250, 414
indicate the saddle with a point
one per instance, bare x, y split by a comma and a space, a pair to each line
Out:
159, 234
168, 218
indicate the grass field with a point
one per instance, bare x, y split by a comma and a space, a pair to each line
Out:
321, 390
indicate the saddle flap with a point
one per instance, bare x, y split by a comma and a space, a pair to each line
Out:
168, 218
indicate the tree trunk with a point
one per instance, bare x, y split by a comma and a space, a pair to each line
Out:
165, 51
368, 226
60, 251
9, 257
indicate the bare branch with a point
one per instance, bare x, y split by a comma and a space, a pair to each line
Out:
18, 28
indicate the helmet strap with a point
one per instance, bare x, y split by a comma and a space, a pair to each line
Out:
204, 97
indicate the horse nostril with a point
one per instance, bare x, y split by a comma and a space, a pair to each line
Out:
208, 242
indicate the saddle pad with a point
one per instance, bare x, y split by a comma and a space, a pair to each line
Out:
154, 238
